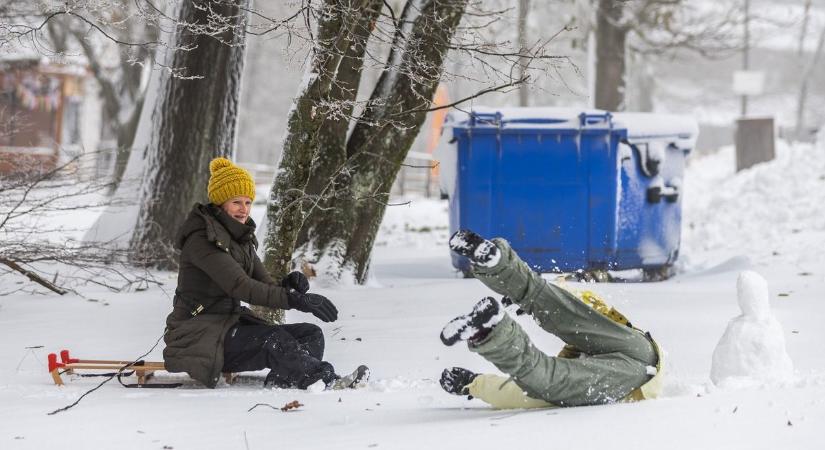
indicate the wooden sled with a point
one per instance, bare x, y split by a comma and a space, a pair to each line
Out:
144, 370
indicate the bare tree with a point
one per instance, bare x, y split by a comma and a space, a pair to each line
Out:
342, 153
345, 164
37, 244
611, 37
194, 119
346, 139
523, 12
122, 85
655, 26
195, 116
118, 31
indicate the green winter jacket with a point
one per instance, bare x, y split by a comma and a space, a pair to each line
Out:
218, 269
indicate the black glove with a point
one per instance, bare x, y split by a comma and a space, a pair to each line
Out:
315, 304
296, 280
455, 380
507, 301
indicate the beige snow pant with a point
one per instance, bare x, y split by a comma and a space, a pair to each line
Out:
616, 357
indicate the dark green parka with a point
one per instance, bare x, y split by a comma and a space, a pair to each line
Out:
218, 270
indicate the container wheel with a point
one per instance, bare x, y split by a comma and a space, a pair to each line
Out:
661, 273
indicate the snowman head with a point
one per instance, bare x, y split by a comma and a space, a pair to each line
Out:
752, 293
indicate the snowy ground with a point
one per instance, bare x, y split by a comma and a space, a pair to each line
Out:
768, 219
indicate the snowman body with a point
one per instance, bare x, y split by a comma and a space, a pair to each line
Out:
752, 349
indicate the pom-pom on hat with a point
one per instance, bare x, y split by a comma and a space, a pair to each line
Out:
228, 180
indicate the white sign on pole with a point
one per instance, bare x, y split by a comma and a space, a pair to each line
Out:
748, 82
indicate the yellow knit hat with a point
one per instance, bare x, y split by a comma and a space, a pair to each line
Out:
228, 180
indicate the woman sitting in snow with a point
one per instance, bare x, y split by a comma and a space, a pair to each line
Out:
209, 332
604, 360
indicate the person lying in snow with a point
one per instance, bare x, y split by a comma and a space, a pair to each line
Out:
209, 332
605, 359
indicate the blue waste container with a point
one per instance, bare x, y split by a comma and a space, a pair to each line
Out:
569, 189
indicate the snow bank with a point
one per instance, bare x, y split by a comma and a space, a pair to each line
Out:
769, 212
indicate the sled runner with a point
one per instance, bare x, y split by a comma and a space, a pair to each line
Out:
144, 370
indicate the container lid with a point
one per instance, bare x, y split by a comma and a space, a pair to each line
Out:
527, 117
638, 125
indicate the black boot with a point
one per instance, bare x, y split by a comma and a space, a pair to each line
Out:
272, 379
474, 326
358, 378
479, 250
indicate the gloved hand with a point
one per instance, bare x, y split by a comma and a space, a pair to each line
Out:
315, 304
296, 280
507, 301
456, 379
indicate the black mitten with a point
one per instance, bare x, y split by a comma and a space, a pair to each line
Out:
296, 280
456, 379
315, 304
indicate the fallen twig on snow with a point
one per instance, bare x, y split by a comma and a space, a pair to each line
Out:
295, 404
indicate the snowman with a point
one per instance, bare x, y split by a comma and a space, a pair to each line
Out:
752, 350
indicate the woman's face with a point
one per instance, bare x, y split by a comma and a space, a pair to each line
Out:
238, 208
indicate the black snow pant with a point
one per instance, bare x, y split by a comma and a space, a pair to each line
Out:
292, 352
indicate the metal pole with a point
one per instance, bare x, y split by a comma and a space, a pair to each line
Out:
745, 55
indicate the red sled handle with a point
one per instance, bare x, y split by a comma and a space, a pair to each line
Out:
64, 357
53, 364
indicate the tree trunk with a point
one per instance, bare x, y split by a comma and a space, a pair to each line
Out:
323, 184
803, 88
314, 132
523, 93
384, 133
610, 56
195, 121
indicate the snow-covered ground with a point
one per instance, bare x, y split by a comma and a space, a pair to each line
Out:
768, 219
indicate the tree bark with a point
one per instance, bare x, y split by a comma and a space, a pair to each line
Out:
349, 184
385, 131
610, 56
314, 133
195, 120
323, 184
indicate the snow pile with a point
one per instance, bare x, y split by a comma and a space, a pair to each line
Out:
752, 350
769, 212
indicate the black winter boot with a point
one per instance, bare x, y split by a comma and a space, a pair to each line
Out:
474, 326
480, 251
358, 378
